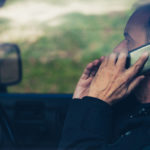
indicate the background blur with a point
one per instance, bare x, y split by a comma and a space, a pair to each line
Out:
58, 38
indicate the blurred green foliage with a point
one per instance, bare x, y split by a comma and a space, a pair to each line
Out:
54, 62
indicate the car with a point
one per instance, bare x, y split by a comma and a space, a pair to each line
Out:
27, 120
44, 48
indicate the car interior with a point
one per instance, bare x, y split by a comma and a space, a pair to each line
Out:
44, 47
27, 120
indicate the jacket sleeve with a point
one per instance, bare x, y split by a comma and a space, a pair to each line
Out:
87, 126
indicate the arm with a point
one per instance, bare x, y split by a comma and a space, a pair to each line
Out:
89, 120
88, 125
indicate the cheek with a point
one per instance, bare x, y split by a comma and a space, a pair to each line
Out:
122, 47
131, 46
134, 45
139, 40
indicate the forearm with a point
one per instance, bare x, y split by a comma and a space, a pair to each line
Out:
87, 125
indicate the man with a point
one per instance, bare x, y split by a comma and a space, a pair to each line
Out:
111, 106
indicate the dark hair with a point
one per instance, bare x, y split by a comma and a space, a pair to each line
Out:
146, 8
148, 30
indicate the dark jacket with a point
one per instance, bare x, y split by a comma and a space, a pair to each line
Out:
92, 124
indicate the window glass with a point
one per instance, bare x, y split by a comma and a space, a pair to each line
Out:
57, 38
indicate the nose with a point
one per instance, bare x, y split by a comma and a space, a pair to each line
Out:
122, 47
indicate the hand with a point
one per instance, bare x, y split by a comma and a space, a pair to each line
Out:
113, 81
86, 78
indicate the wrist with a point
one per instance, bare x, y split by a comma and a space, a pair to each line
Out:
102, 98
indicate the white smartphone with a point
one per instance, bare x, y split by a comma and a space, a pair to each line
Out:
135, 54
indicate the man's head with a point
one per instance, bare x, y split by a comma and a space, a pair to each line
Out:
136, 34
137, 30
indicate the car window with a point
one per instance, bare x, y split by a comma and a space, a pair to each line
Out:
57, 38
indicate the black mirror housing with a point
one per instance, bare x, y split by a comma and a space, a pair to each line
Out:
10, 64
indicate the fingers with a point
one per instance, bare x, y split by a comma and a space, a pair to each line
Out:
96, 62
118, 59
87, 70
112, 59
102, 58
96, 66
135, 82
92, 68
121, 62
134, 70
105, 61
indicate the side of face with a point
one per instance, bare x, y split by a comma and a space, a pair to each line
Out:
134, 33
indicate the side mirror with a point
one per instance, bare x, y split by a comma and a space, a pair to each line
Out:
10, 65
